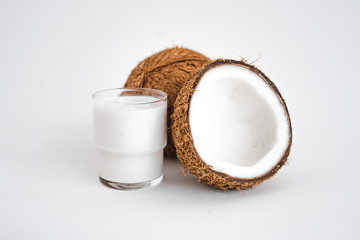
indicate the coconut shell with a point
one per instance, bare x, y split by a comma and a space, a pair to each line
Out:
167, 71
184, 144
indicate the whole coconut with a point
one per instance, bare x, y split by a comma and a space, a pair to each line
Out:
167, 71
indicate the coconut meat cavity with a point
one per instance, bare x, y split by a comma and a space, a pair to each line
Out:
237, 122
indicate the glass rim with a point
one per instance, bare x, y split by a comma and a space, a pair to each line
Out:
162, 96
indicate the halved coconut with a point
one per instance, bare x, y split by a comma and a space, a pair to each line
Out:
230, 126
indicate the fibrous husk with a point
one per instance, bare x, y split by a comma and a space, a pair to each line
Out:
183, 141
167, 71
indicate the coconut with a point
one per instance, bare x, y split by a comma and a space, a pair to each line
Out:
230, 126
167, 71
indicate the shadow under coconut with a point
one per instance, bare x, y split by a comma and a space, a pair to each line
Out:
173, 178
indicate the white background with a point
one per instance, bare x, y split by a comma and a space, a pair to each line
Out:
55, 54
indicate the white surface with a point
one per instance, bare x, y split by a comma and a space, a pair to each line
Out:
236, 106
54, 55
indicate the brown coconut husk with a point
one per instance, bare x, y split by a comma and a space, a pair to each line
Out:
167, 71
184, 143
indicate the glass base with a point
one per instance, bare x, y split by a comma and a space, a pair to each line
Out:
131, 186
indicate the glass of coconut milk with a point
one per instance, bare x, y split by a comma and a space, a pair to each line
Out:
130, 135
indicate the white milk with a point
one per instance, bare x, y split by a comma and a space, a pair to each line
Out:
130, 138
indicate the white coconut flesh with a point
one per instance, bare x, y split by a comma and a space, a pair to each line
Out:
238, 124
